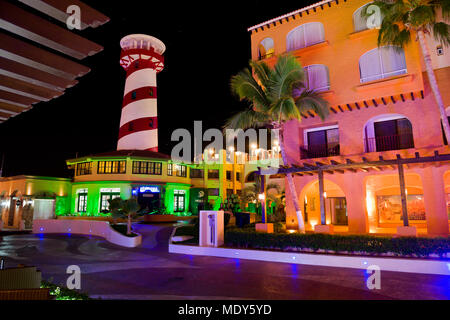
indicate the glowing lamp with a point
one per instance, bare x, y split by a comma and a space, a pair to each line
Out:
261, 196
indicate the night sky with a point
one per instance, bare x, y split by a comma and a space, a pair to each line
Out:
207, 43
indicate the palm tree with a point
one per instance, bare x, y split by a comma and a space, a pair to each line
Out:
404, 18
275, 96
124, 209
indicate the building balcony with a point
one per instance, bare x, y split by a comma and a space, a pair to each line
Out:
387, 143
319, 151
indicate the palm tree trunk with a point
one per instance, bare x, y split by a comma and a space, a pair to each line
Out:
291, 185
129, 225
433, 84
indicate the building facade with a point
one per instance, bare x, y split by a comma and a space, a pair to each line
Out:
381, 108
25, 198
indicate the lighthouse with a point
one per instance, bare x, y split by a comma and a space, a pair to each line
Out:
142, 58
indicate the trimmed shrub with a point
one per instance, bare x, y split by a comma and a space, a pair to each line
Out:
363, 244
63, 293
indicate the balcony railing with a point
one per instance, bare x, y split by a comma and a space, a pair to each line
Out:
386, 143
319, 151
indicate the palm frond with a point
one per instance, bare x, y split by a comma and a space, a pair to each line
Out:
422, 15
245, 87
444, 5
441, 32
391, 34
285, 109
263, 73
246, 119
312, 101
288, 74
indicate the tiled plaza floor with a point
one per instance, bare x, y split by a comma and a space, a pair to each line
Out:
150, 272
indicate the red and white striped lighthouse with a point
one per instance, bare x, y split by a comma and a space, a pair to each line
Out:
142, 58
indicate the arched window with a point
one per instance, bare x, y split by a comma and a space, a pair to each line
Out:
251, 177
305, 35
266, 49
360, 23
317, 77
388, 132
381, 63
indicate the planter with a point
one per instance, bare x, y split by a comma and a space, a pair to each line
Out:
85, 227
124, 241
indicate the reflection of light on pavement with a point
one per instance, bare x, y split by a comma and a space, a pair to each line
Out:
294, 269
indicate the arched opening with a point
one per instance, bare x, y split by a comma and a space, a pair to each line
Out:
447, 112
388, 132
381, 63
447, 191
317, 77
266, 49
360, 23
335, 205
251, 177
384, 206
305, 35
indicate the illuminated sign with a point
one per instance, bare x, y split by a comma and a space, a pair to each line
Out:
152, 189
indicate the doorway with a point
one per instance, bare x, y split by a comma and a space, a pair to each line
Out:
337, 211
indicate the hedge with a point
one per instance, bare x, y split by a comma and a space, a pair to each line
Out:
63, 293
362, 244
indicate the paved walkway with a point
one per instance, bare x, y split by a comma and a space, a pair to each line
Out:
150, 272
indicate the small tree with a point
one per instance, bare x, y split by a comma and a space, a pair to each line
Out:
124, 209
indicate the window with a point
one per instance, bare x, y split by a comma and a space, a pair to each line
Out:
84, 169
181, 170
179, 198
229, 175
266, 49
147, 167
82, 196
213, 174
381, 63
213, 192
321, 142
317, 77
169, 169
391, 135
111, 167
106, 195
360, 23
197, 173
305, 35
238, 176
